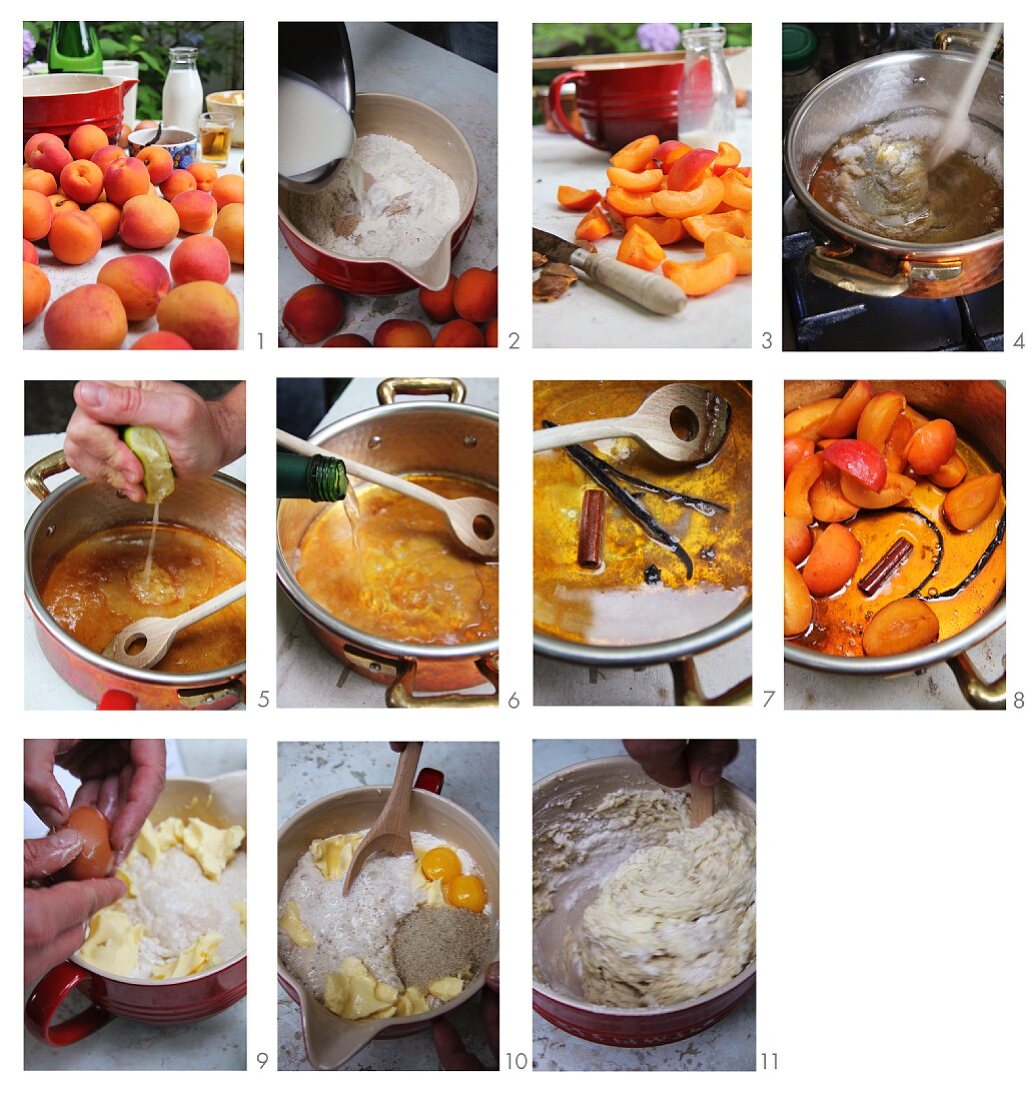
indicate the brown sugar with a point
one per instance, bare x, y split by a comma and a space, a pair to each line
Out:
432, 943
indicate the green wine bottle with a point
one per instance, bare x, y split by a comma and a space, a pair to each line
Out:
74, 49
317, 478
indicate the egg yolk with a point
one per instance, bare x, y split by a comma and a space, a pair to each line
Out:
466, 892
440, 863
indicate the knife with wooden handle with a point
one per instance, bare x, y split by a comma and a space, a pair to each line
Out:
652, 292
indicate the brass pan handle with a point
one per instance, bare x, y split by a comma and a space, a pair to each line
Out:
833, 268
400, 694
391, 387
979, 694
49, 466
968, 37
689, 692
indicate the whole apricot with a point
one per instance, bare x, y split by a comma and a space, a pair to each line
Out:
160, 341
196, 211
492, 333
140, 281
108, 155
314, 313
200, 257
35, 292
204, 313
75, 238
85, 140
35, 179
476, 295
50, 156
62, 204
125, 179
229, 228
29, 253
148, 222
83, 181
204, 174
35, 141
88, 318
459, 334
228, 188
402, 334
159, 163
107, 215
37, 214
347, 340
437, 304
179, 180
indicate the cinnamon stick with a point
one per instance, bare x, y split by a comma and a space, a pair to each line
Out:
590, 530
885, 568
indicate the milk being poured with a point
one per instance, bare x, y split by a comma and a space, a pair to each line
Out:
314, 128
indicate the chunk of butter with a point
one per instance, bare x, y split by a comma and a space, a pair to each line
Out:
446, 988
212, 848
333, 854
113, 944
433, 896
240, 906
411, 1003
291, 922
355, 994
123, 874
153, 840
200, 955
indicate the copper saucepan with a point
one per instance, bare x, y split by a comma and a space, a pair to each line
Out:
416, 437
582, 786
215, 506
329, 1040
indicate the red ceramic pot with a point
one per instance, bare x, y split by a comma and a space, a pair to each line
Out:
220, 802
441, 144
583, 786
57, 103
621, 98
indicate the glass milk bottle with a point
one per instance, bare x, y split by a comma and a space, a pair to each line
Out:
182, 96
707, 98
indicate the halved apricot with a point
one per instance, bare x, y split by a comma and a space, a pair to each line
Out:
737, 191
895, 489
795, 447
648, 180
687, 204
859, 459
797, 605
687, 172
828, 503
878, 417
593, 226
832, 561
931, 445
843, 420
629, 202
668, 152
738, 247
639, 249
806, 420
901, 431
970, 503
798, 539
701, 225
702, 277
664, 231
798, 485
635, 156
899, 627
728, 157
570, 198
951, 473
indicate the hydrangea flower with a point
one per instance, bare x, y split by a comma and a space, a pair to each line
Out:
28, 45
658, 37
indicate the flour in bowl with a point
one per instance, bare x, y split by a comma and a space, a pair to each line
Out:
390, 204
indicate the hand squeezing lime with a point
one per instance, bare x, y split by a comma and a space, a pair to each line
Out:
149, 446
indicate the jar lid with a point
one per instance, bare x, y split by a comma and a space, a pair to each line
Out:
799, 47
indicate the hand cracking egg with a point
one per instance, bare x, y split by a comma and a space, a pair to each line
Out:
96, 858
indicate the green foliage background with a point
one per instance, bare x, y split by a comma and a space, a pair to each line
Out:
220, 59
559, 39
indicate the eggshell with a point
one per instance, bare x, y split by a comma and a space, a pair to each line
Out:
95, 860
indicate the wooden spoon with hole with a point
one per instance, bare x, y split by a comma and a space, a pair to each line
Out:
701, 804
474, 520
158, 634
390, 832
680, 422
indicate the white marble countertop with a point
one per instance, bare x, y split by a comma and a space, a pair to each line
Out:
64, 278
728, 1045
44, 689
218, 1042
590, 316
309, 770
307, 674
391, 60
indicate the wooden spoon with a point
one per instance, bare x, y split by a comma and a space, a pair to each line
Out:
390, 832
474, 520
680, 422
701, 804
158, 634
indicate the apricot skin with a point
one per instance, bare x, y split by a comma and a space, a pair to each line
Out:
476, 295
140, 281
229, 228
204, 313
160, 341
75, 238
200, 257
35, 292
314, 313
402, 334
89, 317
148, 222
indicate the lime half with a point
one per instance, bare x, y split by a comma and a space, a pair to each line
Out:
149, 446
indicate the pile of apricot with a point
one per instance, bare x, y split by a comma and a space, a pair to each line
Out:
465, 308
80, 198
866, 451
666, 193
